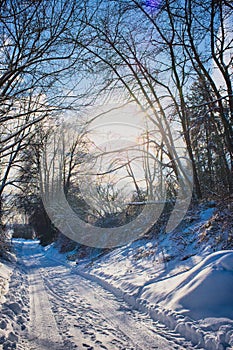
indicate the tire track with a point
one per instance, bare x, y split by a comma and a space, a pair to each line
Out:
68, 311
139, 329
43, 333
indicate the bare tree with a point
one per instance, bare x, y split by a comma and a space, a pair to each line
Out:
214, 62
36, 61
154, 64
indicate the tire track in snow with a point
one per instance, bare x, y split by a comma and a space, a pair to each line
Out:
84, 322
43, 333
69, 311
140, 330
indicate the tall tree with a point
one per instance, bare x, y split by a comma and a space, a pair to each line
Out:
36, 61
155, 54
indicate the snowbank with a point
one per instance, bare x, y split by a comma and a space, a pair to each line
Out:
5, 272
207, 290
14, 304
176, 279
198, 303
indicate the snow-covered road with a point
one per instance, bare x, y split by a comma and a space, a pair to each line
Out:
67, 311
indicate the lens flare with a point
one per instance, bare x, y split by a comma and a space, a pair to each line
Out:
113, 152
153, 4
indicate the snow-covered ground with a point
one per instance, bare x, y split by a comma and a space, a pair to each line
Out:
178, 280
5, 272
14, 307
172, 292
197, 302
50, 306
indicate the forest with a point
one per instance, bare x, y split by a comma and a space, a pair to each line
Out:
76, 77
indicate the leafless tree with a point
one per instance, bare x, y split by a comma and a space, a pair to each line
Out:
155, 63
36, 61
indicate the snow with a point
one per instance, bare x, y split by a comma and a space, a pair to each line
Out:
5, 272
206, 214
175, 283
197, 303
67, 311
207, 290
14, 306
187, 287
